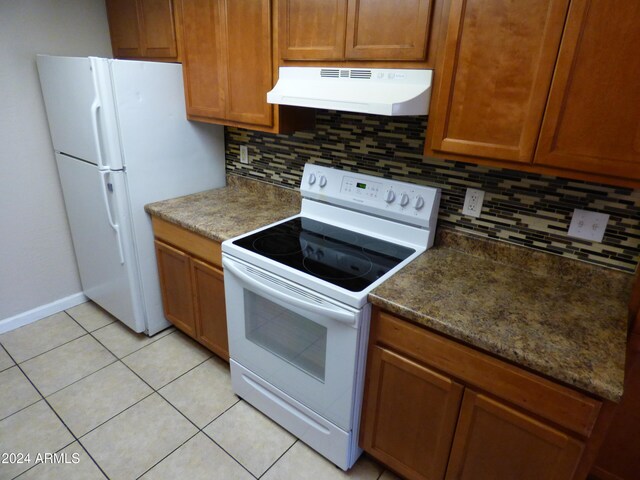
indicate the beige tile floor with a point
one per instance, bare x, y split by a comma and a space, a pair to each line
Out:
114, 404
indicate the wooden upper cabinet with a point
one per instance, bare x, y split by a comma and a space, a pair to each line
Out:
158, 29
249, 67
312, 29
358, 30
143, 29
494, 76
592, 121
124, 28
228, 66
494, 441
410, 415
203, 60
384, 30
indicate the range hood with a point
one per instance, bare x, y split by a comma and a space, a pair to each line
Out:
379, 91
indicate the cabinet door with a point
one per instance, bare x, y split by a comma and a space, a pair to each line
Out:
494, 441
384, 30
203, 59
211, 317
312, 29
495, 73
410, 415
174, 270
592, 122
249, 68
124, 28
158, 29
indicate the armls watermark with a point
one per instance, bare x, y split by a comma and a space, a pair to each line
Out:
46, 457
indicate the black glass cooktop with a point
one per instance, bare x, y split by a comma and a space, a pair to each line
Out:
347, 259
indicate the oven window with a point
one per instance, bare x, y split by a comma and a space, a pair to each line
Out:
292, 337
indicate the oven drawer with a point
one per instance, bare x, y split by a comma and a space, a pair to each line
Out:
337, 445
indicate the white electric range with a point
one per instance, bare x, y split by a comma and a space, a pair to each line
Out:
296, 298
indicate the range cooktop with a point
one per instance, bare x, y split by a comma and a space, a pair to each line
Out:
344, 258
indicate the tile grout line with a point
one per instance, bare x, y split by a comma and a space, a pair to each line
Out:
114, 416
76, 439
154, 340
166, 456
51, 349
280, 457
10, 358
224, 450
153, 391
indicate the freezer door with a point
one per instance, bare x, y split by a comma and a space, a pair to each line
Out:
79, 102
102, 238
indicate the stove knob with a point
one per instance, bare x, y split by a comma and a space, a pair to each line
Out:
390, 196
418, 202
312, 179
323, 181
404, 200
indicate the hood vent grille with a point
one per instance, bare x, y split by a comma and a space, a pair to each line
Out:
337, 73
329, 72
366, 74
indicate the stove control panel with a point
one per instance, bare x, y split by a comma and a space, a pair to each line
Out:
415, 204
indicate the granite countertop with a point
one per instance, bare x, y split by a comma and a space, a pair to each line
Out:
240, 207
564, 319
559, 317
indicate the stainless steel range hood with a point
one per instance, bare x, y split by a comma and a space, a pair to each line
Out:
371, 90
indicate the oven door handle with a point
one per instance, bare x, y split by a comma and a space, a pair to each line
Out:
333, 313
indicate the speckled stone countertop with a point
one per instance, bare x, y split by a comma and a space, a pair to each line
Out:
243, 205
559, 317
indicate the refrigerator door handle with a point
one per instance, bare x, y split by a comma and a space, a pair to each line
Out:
95, 108
115, 226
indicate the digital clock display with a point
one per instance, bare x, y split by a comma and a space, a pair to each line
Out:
361, 185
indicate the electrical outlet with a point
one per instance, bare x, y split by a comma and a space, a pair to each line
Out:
244, 154
473, 202
588, 225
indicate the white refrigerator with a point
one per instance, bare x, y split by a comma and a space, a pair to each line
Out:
121, 140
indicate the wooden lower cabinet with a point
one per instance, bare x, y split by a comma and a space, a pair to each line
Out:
174, 269
417, 396
192, 288
494, 441
208, 289
435, 409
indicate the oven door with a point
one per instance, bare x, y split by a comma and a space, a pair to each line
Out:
296, 340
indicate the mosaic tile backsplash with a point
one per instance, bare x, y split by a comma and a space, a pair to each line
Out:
521, 208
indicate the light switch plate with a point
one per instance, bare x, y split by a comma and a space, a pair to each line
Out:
588, 225
473, 202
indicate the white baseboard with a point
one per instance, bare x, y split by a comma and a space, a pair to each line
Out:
25, 318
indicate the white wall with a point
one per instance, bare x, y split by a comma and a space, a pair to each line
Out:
37, 264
